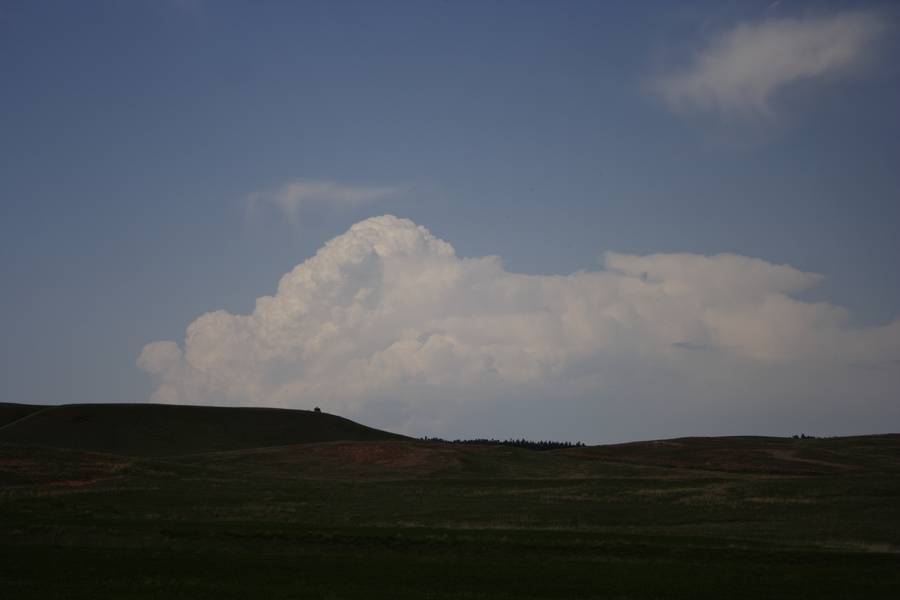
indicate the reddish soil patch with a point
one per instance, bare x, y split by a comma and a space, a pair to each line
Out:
74, 482
385, 454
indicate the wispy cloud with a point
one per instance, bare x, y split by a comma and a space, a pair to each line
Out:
740, 71
293, 197
697, 347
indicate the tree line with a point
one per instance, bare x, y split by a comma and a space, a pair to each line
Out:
539, 445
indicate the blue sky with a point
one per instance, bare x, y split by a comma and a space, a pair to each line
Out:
133, 133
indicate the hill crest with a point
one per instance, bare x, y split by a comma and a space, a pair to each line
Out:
156, 430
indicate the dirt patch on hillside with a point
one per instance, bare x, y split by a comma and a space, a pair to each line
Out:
387, 456
42, 466
342, 459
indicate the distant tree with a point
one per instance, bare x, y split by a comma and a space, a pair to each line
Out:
317, 409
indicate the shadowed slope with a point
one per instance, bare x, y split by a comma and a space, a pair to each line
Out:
753, 454
164, 430
10, 413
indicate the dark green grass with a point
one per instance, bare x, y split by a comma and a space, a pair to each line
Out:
187, 532
710, 518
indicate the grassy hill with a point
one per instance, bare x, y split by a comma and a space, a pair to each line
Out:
760, 455
154, 430
190, 502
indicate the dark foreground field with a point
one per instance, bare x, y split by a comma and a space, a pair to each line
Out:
392, 518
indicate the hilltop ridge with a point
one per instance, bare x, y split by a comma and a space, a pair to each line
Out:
155, 430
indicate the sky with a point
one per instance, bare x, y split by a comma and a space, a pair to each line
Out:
567, 220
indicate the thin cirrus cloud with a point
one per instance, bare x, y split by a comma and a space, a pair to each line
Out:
742, 70
293, 198
388, 325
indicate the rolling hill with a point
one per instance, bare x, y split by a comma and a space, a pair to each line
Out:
156, 430
150, 501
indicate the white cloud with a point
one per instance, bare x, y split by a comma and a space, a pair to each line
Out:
741, 70
386, 324
294, 196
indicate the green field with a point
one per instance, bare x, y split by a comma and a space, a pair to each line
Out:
142, 501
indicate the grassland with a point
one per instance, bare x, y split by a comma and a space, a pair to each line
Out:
387, 517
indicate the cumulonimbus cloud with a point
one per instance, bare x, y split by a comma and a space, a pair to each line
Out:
388, 315
742, 69
293, 197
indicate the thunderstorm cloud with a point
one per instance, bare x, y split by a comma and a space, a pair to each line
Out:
387, 324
